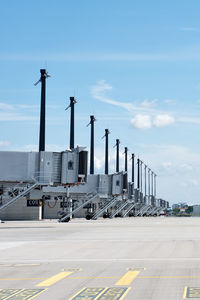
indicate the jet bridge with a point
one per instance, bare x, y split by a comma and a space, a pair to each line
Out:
23, 172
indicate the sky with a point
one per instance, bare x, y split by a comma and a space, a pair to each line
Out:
133, 64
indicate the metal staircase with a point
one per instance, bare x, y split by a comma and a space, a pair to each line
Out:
78, 208
129, 208
20, 193
119, 208
106, 206
141, 210
145, 210
153, 211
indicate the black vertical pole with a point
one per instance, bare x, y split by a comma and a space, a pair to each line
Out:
92, 119
117, 155
106, 151
42, 110
126, 162
72, 102
138, 174
133, 167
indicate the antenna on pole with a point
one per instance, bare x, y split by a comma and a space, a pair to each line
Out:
43, 77
72, 102
107, 132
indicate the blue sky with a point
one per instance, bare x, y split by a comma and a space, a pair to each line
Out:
135, 65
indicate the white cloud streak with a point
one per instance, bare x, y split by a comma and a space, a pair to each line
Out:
148, 117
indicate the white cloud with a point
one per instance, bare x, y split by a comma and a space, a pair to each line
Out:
4, 143
98, 92
167, 164
146, 121
148, 117
98, 163
148, 104
4, 116
141, 121
170, 101
163, 120
5, 106
194, 182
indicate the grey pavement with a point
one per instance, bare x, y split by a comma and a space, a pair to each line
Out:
61, 259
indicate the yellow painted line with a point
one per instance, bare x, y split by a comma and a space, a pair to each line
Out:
54, 279
170, 277
38, 294
88, 277
22, 279
25, 294
117, 293
127, 278
125, 293
99, 296
89, 293
7, 293
185, 293
76, 294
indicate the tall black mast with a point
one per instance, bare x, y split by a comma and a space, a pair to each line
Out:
117, 155
92, 120
42, 79
126, 161
133, 167
72, 102
138, 174
106, 151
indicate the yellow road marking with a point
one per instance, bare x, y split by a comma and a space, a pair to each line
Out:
7, 293
54, 279
170, 277
125, 293
90, 277
127, 278
38, 294
76, 294
89, 293
117, 293
185, 293
23, 278
24, 294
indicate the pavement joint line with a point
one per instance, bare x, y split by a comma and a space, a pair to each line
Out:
52, 280
127, 278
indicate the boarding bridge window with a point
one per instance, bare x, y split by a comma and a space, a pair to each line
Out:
70, 165
117, 183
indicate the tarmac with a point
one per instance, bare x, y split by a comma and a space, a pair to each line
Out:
155, 258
